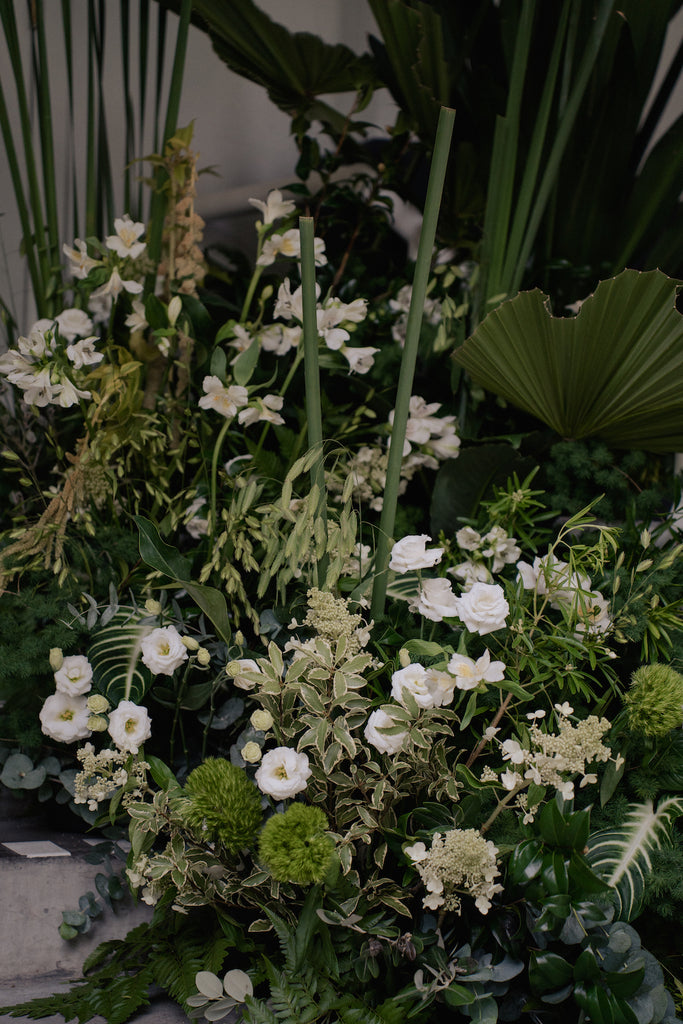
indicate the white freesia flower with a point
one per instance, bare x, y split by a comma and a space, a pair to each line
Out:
64, 717
469, 673
411, 553
275, 207
283, 773
125, 242
447, 446
289, 246
80, 264
222, 399
360, 358
412, 678
83, 353
290, 303
386, 743
67, 394
267, 409
279, 339
37, 387
115, 285
483, 609
435, 600
163, 650
74, 677
129, 726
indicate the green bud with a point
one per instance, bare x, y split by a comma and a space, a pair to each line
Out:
97, 704
654, 702
96, 723
56, 658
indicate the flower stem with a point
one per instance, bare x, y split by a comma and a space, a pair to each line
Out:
437, 176
214, 478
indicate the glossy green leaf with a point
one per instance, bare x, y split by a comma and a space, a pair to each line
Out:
525, 862
548, 971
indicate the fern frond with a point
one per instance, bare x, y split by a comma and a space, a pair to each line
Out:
622, 856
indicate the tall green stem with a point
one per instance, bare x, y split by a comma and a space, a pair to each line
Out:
312, 375
437, 177
214, 482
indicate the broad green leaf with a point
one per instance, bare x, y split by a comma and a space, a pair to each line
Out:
114, 654
623, 856
614, 371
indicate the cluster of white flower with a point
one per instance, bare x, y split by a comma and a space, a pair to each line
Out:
460, 862
103, 773
47, 364
400, 305
487, 554
567, 591
554, 759
433, 435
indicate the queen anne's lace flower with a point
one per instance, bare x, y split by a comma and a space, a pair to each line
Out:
460, 862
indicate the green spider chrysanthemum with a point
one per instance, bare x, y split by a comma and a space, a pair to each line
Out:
224, 805
294, 847
654, 703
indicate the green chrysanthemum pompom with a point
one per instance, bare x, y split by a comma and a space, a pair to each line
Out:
224, 805
294, 847
654, 703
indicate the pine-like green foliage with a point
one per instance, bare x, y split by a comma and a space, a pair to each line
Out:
224, 805
294, 847
654, 703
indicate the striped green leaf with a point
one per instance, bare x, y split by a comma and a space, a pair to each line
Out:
114, 655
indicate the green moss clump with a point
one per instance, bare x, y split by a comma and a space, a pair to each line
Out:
224, 805
654, 703
294, 847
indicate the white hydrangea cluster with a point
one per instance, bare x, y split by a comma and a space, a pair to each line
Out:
459, 862
487, 554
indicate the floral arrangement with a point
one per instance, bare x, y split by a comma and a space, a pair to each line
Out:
366, 772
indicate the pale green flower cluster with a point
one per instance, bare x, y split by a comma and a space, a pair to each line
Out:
460, 862
331, 619
103, 773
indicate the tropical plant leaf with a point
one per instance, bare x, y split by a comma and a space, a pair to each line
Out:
614, 371
114, 655
622, 856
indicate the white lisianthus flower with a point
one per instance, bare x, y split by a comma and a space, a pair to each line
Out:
483, 609
386, 743
441, 685
163, 650
64, 717
73, 323
74, 677
283, 773
83, 353
360, 358
222, 399
435, 600
412, 678
236, 668
125, 242
411, 553
129, 726
275, 207
469, 673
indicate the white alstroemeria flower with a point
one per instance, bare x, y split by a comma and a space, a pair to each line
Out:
64, 717
137, 320
163, 650
74, 677
327, 321
469, 673
499, 546
266, 409
73, 323
593, 611
67, 394
283, 773
290, 303
115, 285
447, 446
38, 388
83, 353
242, 340
360, 358
275, 207
289, 246
222, 399
353, 312
235, 670
80, 264
513, 752
410, 553
483, 609
129, 726
280, 339
386, 743
39, 343
435, 600
125, 242
412, 678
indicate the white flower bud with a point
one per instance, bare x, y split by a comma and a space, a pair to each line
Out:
56, 658
203, 656
96, 723
174, 308
251, 752
97, 704
152, 607
261, 720
190, 643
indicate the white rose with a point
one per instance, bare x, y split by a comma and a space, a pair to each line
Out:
129, 726
236, 668
283, 773
65, 717
483, 608
74, 676
163, 650
410, 553
412, 678
386, 743
435, 600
